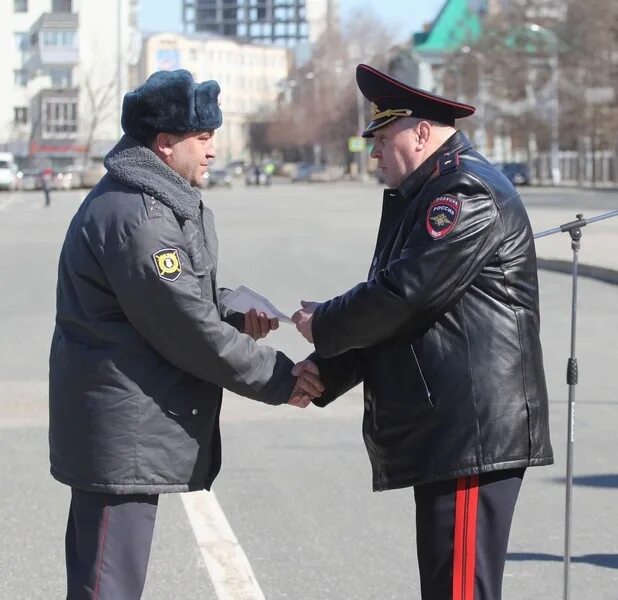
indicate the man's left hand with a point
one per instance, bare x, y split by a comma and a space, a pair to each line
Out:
303, 319
259, 326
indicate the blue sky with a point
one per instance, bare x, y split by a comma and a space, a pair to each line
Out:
404, 16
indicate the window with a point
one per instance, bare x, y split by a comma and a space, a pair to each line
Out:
60, 77
20, 114
62, 39
21, 41
59, 117
20, 6
20, 77
67, 38
61, 6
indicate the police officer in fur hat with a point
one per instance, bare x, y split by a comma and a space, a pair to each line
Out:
143, 346
444, 334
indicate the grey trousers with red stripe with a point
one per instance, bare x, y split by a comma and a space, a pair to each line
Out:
107, 545
462, 532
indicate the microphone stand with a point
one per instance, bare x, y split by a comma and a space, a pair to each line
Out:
574, 228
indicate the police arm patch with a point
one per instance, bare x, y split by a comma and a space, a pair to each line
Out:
167, 263
442, 216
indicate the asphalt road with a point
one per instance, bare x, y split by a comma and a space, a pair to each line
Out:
295, 485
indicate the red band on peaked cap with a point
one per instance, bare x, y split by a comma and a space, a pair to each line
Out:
388, 93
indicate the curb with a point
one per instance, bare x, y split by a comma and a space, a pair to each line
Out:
566, 266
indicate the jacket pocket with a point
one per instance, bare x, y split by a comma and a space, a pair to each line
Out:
421, 379
200, 266
203, 270
189, 398
176, 402
196, 249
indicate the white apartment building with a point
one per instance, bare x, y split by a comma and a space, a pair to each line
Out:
66, 65
249, 76
281, 22
318, 14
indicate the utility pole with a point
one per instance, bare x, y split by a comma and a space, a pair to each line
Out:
481, 80
362, 155
554, 65
119, 63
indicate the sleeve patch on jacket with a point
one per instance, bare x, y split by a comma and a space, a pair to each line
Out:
442, 216
167, 263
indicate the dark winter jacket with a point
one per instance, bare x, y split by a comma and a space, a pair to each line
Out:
140, 352
445, 332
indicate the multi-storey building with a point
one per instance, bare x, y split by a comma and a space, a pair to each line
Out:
67, 64
285, 22
249, 75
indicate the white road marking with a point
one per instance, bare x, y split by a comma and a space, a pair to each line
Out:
227, 564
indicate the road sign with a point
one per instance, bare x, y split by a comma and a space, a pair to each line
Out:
356, 143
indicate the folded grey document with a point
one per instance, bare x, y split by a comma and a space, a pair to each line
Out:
243, 299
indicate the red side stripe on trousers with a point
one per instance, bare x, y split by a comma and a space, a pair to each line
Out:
464, 549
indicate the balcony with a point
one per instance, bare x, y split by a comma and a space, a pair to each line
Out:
53, 41
55, 123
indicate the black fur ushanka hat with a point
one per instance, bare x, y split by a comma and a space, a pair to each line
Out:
171, 102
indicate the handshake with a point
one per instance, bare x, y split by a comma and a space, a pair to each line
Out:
308, 384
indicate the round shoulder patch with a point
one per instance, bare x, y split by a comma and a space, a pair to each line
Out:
442, 216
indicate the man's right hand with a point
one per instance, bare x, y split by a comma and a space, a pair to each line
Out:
308, 384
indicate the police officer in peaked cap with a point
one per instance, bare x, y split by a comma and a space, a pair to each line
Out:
444, 335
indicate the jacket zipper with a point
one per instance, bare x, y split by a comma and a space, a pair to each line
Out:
418, 366
213, 285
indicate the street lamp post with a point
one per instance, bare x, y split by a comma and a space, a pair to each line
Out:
554, 151
481, 130
360, 116
317, 148
355, 54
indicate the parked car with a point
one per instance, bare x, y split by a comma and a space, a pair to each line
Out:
517, 173
317, 173
303, 171
236, 167
30, 179
92, 174
8, 172
72, 177
62, 180
218, 177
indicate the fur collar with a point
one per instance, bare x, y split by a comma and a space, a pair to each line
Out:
133, 164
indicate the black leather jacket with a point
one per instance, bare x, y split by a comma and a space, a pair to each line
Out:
445, 332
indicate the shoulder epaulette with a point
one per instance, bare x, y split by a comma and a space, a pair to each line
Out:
153, 206
448, 163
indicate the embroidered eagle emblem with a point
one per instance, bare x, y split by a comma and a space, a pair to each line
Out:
440, 220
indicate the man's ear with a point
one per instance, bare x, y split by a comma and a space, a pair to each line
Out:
424, 130
163, 144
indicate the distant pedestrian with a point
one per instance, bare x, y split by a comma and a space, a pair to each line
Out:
47, 175
269, 169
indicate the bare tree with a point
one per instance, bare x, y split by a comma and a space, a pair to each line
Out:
100, 103
321, 106
524, 46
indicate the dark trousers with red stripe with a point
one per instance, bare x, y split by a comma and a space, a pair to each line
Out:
107, 545
462, 531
